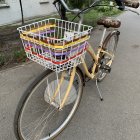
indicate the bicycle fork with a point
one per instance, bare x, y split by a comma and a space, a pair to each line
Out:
57, 91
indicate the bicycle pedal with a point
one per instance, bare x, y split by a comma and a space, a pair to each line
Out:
105, 68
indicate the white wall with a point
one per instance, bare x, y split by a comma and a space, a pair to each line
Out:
31, 8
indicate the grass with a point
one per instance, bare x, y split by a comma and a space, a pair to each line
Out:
2, 60
13, 57
92, 16
19, 55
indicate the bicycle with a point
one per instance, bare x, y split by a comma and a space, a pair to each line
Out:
61, 86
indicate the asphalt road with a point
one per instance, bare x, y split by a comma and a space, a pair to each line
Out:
116, 118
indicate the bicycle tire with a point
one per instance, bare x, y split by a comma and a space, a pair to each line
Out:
27, 95
115, 35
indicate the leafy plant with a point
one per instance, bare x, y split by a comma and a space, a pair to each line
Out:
2, 60
19, 55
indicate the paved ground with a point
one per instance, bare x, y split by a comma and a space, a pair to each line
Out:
117, 118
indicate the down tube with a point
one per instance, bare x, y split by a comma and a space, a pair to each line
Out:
94, 57
69, 87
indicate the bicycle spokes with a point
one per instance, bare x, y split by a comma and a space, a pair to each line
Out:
57, 96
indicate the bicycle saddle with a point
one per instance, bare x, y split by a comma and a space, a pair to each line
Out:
109, 22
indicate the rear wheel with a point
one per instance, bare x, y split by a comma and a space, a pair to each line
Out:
109, 45
36, 118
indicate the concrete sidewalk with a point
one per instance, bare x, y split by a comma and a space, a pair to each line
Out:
117, 118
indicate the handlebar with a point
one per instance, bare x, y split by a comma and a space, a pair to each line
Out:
128, 9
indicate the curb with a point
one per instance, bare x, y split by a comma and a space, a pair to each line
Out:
16, 67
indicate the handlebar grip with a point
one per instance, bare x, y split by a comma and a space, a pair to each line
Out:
131, 3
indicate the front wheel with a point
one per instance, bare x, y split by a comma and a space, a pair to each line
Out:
109, 46
37, 118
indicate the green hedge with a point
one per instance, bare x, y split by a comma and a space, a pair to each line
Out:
82, 3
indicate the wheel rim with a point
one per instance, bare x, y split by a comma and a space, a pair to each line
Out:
110, 48
38, 119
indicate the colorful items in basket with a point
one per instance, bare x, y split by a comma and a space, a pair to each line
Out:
42, 42
53, 55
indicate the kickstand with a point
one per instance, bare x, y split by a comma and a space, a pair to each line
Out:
99, 92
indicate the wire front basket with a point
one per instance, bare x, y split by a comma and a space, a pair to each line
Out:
54, 43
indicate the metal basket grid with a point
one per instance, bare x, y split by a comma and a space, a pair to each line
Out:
54, 43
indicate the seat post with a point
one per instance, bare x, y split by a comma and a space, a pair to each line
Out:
103, 36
